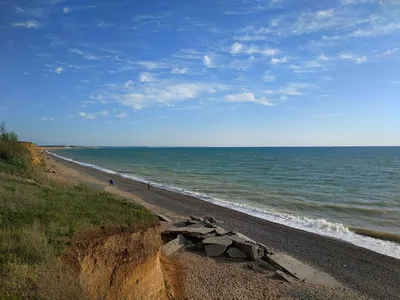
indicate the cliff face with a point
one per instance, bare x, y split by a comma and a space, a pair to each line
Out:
122, 265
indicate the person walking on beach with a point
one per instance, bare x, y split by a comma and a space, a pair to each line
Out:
148, 186
111, 182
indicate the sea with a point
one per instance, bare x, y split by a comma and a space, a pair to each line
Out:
347, 193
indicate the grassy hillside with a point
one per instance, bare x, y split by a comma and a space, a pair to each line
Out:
39, 219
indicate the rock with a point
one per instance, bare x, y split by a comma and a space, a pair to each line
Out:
221, 240
265, 248
220, 231
250, 249
171, 247
236, 239
198, 225
260, 252
208, 224
196, 218
192, 222
210, 219
189, 230
236, 253
246, 238
164, 218
215, 249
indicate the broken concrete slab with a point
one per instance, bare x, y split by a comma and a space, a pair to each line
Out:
188, 230
196, 218
164, 218
250, 249
220, 240
234, 252
213, 250
246, 238
283, 276
171, 247
260, 263
220, 231
304, 272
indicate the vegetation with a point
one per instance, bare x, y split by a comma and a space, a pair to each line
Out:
39, 220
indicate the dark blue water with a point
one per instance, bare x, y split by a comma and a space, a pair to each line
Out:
323, 190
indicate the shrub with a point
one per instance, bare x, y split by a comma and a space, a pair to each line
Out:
11, 150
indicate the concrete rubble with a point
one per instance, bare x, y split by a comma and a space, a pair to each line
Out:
203, 234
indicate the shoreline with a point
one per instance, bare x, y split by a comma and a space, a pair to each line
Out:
371, 273
382, 242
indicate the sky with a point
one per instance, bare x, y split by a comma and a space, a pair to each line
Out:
201, 73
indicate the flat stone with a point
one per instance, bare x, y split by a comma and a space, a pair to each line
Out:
262, 264
198, 225
171, 247
188, 230
220, 240
246, 238
220, 231
281, 275
164, 218
250, 249
301, 271
236, 253
213, 250
196, 218
192, 222
236, 239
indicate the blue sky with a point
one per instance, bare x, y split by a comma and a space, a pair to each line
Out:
201, 73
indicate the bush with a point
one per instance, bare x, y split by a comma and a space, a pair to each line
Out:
11, 150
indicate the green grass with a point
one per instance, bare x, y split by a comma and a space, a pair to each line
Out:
38, 221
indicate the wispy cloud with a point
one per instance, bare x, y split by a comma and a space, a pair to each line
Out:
239, 48
291, 89
46, 119
179, 70
69, 9
27, 24
91, 116
268, 77
121, 115
146, 77
207, 61
353, 58
246, 97
33, 12
276, 60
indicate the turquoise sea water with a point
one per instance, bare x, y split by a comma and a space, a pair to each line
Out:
331, 191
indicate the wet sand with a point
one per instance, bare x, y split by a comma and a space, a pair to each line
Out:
372, 274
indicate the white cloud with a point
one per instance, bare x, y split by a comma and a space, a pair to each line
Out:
207, 61
323, 57
238, 48
246, 97
249, 38
179, 70
27, 24
46, 119
327, 78
66, 10
91, 116
268, 77
128, 84
276, 61
166, 94
323, 14
353, 58
121, 115
59, 70
146, 77
377, 29
291, 89
390, 52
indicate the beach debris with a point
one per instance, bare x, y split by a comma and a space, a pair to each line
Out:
199, 233
234, 252
164, 218
171, 247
